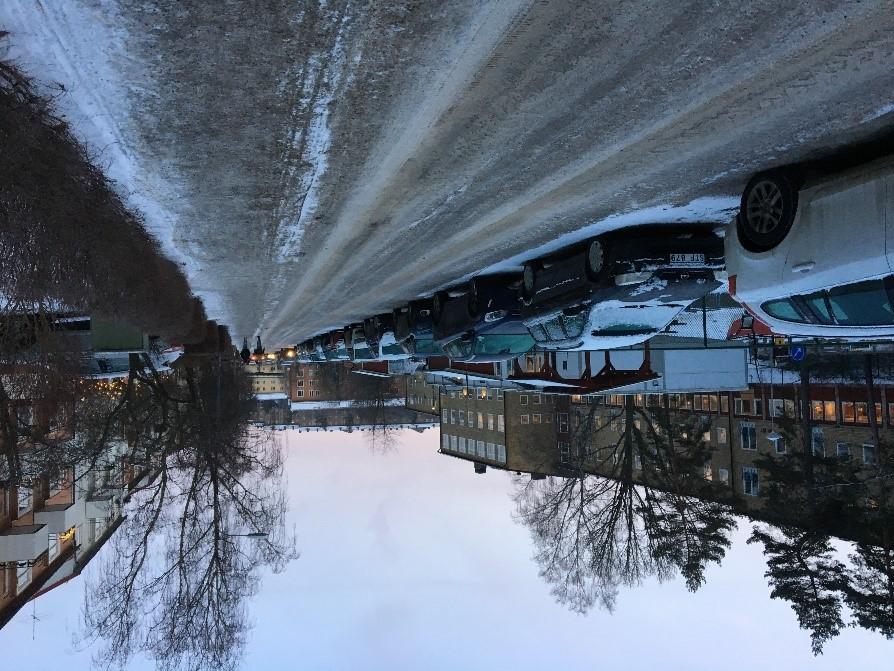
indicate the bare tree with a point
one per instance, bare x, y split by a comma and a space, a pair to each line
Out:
188, 556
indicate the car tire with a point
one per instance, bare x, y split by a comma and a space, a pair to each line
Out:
596, 259
529, 281
438, 301
768, 207
472, 299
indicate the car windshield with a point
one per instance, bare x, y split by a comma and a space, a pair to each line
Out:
426, 346
560, 327
393, 348
362, 352
458, 348
503, 344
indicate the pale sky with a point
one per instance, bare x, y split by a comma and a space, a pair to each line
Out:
411, 561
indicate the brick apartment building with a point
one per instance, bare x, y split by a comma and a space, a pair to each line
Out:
542, 434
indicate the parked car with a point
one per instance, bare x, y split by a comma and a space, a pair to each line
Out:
482, 305
507, 341
813, 256
361, 348
620, 288
334, 348
413, 320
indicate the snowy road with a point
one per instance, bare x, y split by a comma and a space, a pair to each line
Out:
312, 163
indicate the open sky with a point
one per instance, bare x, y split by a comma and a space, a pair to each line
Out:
410, 561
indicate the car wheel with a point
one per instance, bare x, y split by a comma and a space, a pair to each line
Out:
597, 252
767, 211
472, 299
437, 307
529, 281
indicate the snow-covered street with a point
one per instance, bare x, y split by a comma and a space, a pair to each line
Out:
312, 163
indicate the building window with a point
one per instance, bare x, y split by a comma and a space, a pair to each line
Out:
490, 394
750, 482
869, 455
480, 424
706, 436
525, 419
563, 422
490, 421
491, 452
501, 453
843, 450
444, 416
445, 441
548, 418
501, 424
721, 435
23, 577
709, 471
535, 419
536, 399
481, 451
778, 443
523, 399
749, 436
818, 443
723, 475
452, 416
564, 451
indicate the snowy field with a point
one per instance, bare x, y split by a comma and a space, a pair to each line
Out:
314, 163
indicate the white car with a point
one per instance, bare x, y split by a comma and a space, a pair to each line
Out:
817, 259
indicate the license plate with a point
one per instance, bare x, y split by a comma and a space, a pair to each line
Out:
687, 259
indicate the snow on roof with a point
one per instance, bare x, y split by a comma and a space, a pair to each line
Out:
350, 403
272, 396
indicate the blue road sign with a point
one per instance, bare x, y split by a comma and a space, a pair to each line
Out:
797, 353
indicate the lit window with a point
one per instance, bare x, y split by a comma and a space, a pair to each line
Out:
501, 425
525, 419
535, 419
490, 421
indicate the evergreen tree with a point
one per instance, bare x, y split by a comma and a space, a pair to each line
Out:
802, 570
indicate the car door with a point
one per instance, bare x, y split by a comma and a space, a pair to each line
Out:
839, 236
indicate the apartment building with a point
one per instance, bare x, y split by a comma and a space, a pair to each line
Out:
739, 428
423, 395
502, 428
